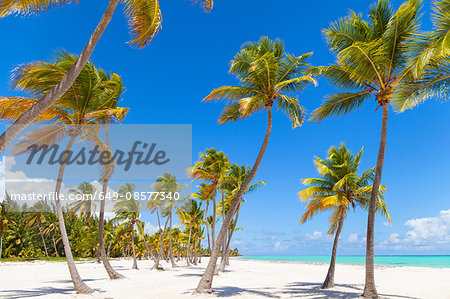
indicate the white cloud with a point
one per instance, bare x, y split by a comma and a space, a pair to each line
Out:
430, 229
317, 235
424, 234
150, 229
387, 223
279, 247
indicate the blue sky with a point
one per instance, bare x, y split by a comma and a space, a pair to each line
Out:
166, 81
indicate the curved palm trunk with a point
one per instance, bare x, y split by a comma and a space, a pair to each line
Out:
113, 274
204, 286
161, 246
370, 290
213, 224
79, 285
224, 243
171, 257
195, 249
207, 225
188, 245
329, 280
225, 261
132, 247
43, 242
61, 88
54, 245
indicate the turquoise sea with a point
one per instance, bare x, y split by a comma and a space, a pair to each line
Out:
436, 261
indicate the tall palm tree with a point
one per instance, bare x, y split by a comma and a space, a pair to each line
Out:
127, 209
338, 189
144, 22
212, 168
430, 62
85, 206
267, 74
83, 104
371, 60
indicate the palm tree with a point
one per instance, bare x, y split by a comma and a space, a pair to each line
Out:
85, 103
212, 167
231, 186
144, 22
37, 218
85, 206
371, 60
267, 74
430, 62
127, 209
203, 194
191, 216
338, 189
167, 184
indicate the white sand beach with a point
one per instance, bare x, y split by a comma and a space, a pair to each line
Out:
243, 279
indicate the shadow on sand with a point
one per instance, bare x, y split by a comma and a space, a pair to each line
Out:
313, 290
16, 294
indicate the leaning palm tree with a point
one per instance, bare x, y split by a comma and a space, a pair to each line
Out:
85, 206
144, 22
267, 74
371, 60
85, 103
212, 168
127, 210
338, 189
430, 62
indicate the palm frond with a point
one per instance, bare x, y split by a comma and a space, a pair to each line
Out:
145, 20
340, 103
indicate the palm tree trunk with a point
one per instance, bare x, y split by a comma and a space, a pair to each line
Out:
232, 232
225, 257
61, 88
171, 257
43, 242
207, 225
109, 249
79, 285
329, 280
161, 246
113, 274
213, 224
54, 245
148, 249
204, 286
195, 249
132, 247
188, 244
370, 290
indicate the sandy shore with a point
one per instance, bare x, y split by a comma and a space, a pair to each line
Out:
243, 279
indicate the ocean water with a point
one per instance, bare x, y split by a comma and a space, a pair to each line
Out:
436, 261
